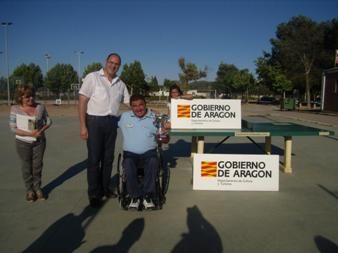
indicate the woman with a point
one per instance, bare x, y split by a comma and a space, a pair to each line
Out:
29, 120
176, 93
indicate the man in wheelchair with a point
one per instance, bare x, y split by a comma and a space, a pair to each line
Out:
140, 142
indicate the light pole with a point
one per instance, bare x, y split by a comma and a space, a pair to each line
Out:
79, 62
47, 56
1, 53
47, 61
5, 25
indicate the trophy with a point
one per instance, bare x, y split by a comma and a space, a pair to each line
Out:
160, 120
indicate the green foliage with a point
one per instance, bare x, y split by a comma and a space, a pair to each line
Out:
272, 76
243, 80
226, 74
153, 84
300, 52
296, 49
60, 77
230, 79
91, 68
30, 74
167, 83
326, 58
134, 77
190, 72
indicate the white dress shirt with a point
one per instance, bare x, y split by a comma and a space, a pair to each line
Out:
104, 96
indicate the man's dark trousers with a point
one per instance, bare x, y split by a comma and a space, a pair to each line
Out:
151, 165
102, 131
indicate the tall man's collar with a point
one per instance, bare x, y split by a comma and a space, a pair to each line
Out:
115, 79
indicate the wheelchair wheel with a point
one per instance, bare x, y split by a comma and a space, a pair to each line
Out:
121, 186
124, 202
164, 176
120, 175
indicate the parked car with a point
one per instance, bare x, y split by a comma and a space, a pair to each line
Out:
265, 100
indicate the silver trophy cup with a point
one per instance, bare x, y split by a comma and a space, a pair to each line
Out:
160, 120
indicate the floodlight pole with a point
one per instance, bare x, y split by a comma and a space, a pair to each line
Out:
47, 61
1, 53
79, 64
5, 25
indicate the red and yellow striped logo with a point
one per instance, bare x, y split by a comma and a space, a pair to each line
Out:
183, 111
208, 169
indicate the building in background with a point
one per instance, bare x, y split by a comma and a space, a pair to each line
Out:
329, 94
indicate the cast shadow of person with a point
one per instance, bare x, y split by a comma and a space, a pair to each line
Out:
325, 245
202, 236
131, 234
67, 174
65, 235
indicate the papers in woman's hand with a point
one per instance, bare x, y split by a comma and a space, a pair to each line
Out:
25, 123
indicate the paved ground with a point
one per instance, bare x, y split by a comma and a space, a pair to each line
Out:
301, 217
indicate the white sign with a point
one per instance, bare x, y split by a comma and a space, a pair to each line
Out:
236, 172
205, 114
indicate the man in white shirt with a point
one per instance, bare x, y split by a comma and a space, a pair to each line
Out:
100, 97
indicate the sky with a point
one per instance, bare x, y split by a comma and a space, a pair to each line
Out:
155, 32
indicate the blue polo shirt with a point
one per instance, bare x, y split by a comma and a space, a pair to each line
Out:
138, 133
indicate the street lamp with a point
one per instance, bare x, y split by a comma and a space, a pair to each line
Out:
47, 60
5, 25
1, 53
79, 62
47, 56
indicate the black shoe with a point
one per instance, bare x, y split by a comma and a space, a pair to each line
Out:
95, 202
110, 195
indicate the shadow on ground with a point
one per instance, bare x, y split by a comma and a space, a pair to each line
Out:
325, 245
130, 235
66, 234
69, 173
201, 237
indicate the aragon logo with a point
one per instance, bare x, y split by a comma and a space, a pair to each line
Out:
208, 169
183, 111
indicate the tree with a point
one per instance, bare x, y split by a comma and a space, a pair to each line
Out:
296, 48
326, 58
229, 78
153, 84
226, 74
91, 68
29, 74
134, 77
190, 72
167, 83
243, 81
272, 76
330, 30
60, 77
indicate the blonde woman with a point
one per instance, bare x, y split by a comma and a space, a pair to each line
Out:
29, 120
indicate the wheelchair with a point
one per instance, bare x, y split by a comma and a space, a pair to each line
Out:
161, 182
